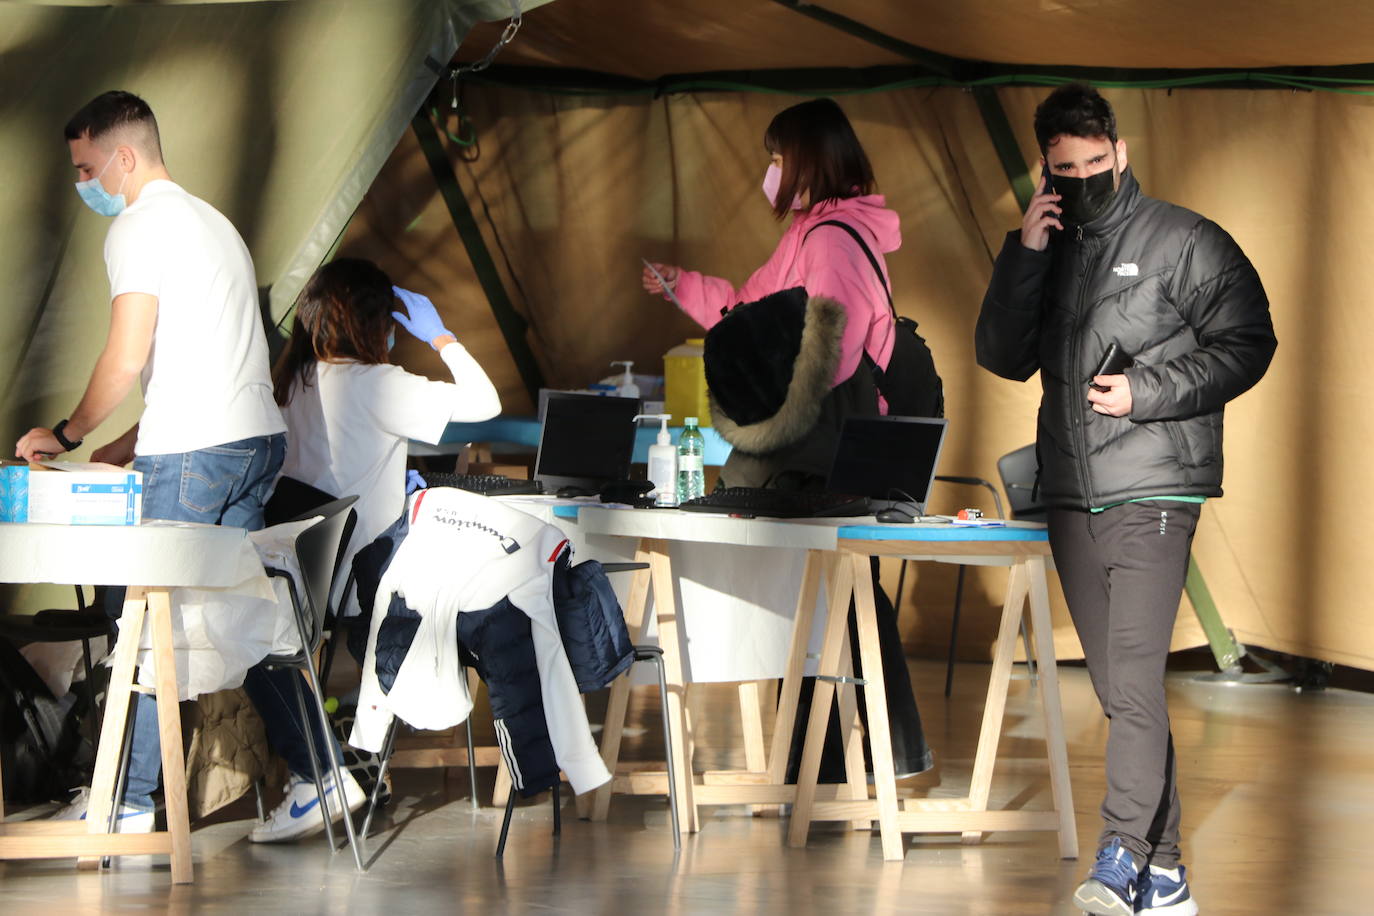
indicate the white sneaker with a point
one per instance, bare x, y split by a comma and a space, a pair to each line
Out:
299, 813
128, 820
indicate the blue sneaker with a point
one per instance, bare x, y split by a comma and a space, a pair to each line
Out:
1165, 893
1110, 887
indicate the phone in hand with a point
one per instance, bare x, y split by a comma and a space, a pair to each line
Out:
1045, 174
1114, 361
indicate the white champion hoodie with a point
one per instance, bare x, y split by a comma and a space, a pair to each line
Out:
465, 552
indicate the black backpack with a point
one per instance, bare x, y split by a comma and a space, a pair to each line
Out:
44, 749
909, 384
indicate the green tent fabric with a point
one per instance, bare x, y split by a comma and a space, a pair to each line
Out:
280, 114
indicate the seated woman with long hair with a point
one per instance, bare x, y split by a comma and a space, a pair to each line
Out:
349, 415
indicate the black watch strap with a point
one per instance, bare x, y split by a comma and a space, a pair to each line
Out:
67, 444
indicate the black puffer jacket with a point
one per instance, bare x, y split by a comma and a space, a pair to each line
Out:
1176, 293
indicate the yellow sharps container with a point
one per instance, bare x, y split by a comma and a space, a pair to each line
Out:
684, 383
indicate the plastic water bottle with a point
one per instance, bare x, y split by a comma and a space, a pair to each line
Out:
691, 465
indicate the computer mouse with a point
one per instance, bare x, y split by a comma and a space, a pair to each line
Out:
894, 516
574, 492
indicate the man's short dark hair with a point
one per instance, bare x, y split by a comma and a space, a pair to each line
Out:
113, 111
1077, 110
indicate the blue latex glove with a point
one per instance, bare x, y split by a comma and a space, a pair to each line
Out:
414, 481
422, 321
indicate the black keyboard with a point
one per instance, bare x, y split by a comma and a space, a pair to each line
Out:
755, 501
485, 484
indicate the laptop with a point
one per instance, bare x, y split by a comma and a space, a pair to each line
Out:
891, 460
880, 464
586, 442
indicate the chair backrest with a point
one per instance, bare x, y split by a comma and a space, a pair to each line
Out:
319, 550
1018, 471
290, 499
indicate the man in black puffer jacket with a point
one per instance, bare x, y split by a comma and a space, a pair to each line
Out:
1126, 458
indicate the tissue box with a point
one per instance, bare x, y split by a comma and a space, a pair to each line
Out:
71, 493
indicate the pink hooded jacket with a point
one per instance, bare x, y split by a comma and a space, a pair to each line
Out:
829, 264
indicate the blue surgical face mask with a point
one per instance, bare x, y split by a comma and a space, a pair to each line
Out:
390, 340
94, 195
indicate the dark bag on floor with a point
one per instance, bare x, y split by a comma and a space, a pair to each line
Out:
909, 384
45, 753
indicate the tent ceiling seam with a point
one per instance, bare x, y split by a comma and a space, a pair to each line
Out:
850, 80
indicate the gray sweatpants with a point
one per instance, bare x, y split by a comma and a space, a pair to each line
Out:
1123, 572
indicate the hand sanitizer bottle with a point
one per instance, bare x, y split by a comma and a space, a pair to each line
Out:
662, 462
627, 387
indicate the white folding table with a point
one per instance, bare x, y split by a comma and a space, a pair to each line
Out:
150, 558
837, 554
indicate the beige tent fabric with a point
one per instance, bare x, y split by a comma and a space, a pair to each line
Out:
646, 39
1129, 33
579, 189
696, 36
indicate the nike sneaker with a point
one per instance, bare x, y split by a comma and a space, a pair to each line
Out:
1164, 892
128, 819
299, 813
1110, 888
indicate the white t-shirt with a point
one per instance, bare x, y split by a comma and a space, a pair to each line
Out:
347, 432
207, 379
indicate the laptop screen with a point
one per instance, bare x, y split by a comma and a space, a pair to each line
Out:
891, 458
587, 440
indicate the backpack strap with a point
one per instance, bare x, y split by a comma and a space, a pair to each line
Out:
868, 253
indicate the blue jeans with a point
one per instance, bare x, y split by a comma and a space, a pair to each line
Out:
224, 485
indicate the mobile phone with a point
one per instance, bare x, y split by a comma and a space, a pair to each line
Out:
1049, 189
1114, 361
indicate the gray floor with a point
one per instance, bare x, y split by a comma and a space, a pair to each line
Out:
1278, 792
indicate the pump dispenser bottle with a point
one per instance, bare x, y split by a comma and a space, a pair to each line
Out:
662, 462
627, 387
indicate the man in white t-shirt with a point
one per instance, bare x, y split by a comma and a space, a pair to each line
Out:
184, 320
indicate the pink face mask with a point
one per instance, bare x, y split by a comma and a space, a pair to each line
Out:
772, 179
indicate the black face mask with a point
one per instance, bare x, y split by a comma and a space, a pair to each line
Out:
1085, 199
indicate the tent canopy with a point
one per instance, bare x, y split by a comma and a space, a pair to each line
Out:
613, 130
278, 113
650, 40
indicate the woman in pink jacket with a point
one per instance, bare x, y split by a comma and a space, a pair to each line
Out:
819, 173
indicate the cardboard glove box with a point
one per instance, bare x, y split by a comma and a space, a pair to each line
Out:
70, 493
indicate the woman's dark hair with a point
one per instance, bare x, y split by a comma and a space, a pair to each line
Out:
343, 314
820, 155
1077, 110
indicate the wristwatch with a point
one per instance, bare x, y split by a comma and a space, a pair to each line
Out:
67, 444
